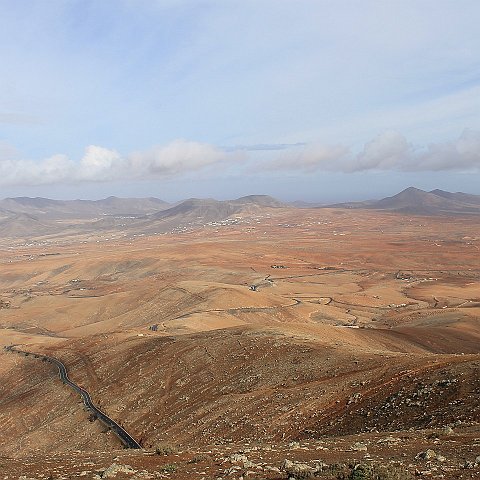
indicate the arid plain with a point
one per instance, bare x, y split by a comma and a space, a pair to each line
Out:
324, 336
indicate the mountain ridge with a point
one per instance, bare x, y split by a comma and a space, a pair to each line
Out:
26, 217
53, 209
416, 201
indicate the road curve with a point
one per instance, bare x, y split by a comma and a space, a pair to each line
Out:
127, 440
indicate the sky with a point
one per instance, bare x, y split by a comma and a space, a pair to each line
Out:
314, 100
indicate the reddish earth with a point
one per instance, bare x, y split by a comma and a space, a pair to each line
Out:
368, 334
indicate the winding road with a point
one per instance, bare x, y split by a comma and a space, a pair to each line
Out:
127, 440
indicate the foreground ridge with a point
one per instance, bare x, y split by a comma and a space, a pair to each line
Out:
127, 440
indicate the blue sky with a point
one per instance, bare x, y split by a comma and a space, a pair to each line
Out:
316, 100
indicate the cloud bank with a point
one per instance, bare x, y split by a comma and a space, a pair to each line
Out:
389, 151
101, 164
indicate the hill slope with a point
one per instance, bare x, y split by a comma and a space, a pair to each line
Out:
24, 225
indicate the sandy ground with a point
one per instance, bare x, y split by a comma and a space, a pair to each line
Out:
359, 323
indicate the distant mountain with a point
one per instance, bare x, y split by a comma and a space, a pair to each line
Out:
412, 200
61, 209
419, 202
22, 225
201, 211
193, 208
302, 204
259, 200
25, 217
28, 202
458, 196
131, 204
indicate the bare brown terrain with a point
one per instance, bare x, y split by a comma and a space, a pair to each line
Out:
330, 338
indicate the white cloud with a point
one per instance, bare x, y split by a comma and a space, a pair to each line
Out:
177, 157
389, 151
55, 169
386, 151
100, 164
463, 154
310, 158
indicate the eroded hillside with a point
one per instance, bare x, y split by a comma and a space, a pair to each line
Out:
290, 326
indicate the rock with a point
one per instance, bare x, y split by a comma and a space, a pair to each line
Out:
359, 447
237, 458
232, 470
389, 440
354, 398
448, 431
4, 304
115, 468
427, 455
240, 458
297, 470
477, 460
272, 469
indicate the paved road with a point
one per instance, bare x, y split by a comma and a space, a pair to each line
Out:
127, 440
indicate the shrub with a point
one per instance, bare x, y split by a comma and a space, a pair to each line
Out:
168, 468
378, 472
200, 457
364, 471
165, 449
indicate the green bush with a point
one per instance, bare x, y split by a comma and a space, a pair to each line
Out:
168, 468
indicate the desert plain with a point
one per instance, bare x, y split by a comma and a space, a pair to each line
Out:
246, 348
